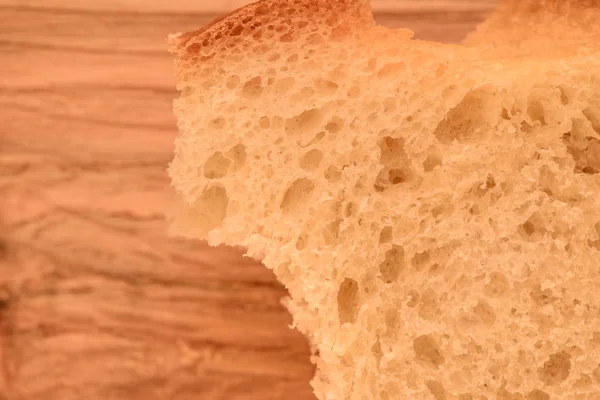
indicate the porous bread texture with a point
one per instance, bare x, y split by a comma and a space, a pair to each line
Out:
433, 210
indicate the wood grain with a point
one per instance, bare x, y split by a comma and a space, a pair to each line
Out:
96, 302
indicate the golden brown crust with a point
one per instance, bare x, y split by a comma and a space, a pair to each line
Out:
256, 17
236, 15
182, 39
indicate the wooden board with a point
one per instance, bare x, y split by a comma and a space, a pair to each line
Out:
96, 302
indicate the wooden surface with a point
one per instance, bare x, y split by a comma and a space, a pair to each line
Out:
96, 302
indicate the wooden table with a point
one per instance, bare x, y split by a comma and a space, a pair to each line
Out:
96, 301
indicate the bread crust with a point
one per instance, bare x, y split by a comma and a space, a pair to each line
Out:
246, 20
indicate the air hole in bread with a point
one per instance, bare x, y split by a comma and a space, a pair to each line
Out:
261, 49
497, 284
315, 38
284, 85
302, 242
526, 127
274, 57
392, 69
541, 297
566, 94
392, 322
392, 264
284, 270
333, 174
351, 209
386, 235
281, 28
534, 228
216, 166
334, 125
209, 210
286, 38
583, 381
238, 155
536, 111
481, 189
441, 210
253, 88
217, 123
325, 87
428, 305
596, 373
271, 72
316, 139
593, 157
596, 244
592, 113
451, 93
433, 160
359, 186
264, 123
257, 36
306, 122
471, 119
354, 91
397, 175
556, 369
348, 301
331, 232
237, 30
421, 260
396, 164
437, 389
376, 350
435, 269
208, 84
413, 298
392, 152
427, 350
187, 91
577, 137
311, 160
297, 196
538, 395
300, 24
486, 312
303, 95
389, 105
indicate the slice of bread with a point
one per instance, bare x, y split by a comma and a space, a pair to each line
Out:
434, 210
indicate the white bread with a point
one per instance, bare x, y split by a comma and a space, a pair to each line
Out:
434, 210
